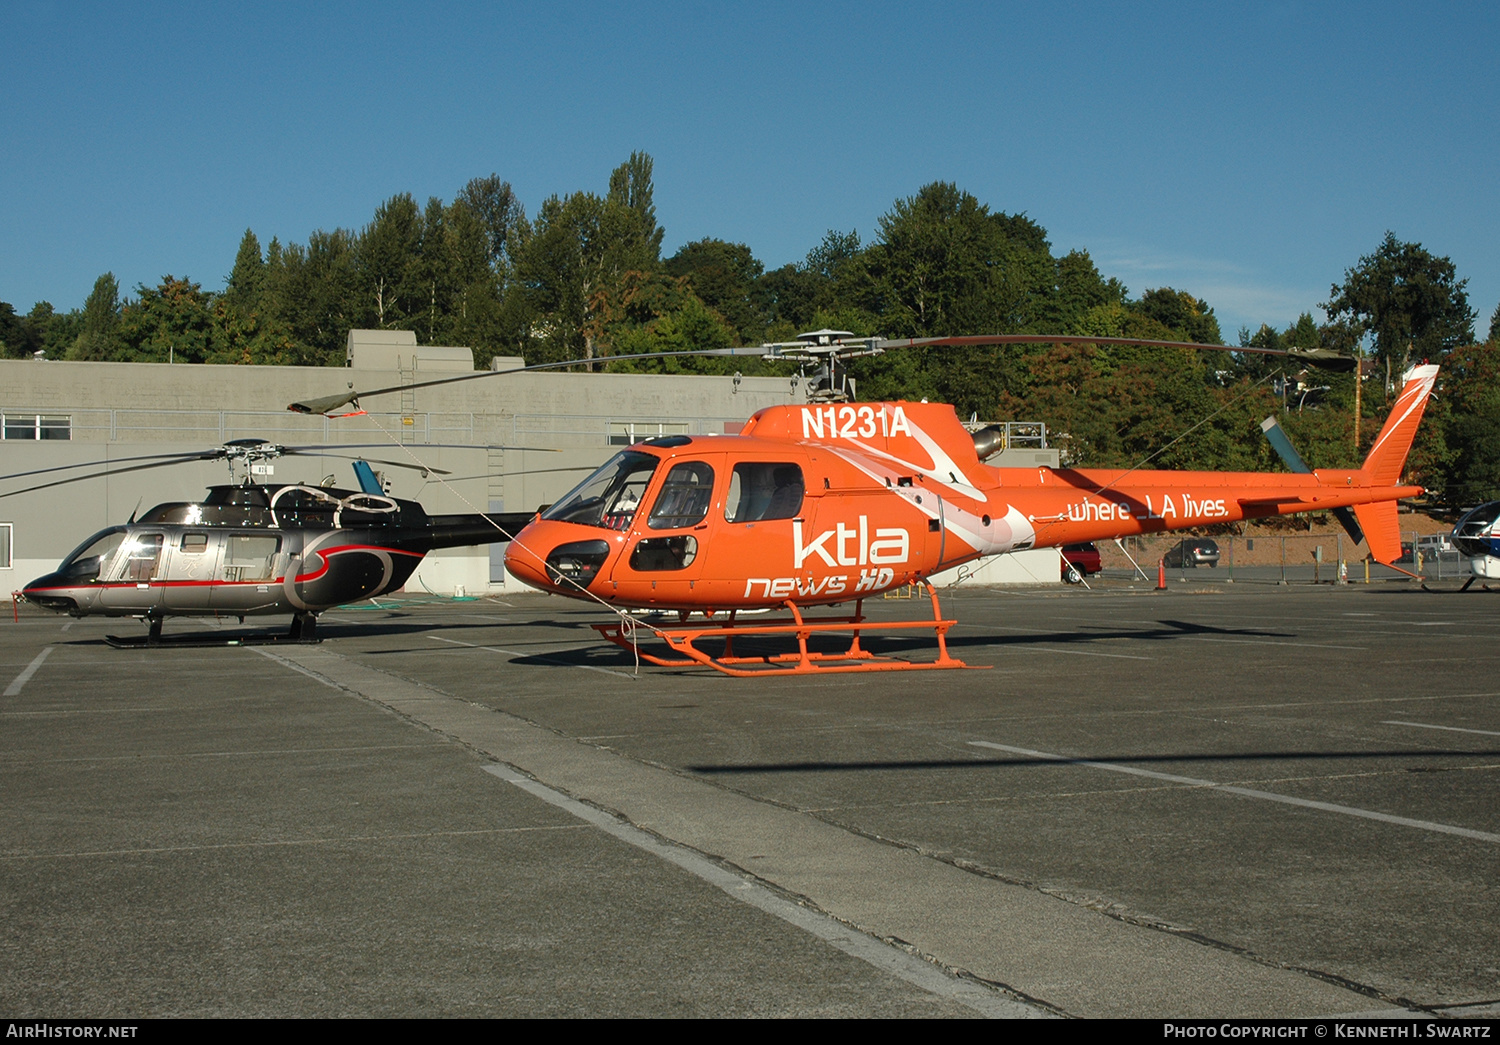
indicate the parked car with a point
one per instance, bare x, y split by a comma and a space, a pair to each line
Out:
1084, 558
1437, 546
1193, 551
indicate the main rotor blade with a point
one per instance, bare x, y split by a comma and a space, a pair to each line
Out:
92, 475
789, 350
528, 471
195, 455
219, 453
377, 460
885, 344
327, 403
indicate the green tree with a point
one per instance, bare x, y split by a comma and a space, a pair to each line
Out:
830, 279
243, 287
312, 296
12, 332
577, 258
98, 338
173, 321
477, 274
945, 265
1184, 316
51, 331
500, 215
1469, 411
1410, 301
723, 276
390, 277
1078, 290
631, 214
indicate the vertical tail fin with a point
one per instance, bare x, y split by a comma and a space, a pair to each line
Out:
1386, 459
1388, 455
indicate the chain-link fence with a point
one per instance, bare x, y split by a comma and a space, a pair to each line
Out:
1302, 558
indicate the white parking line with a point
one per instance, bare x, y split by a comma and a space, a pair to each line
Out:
14, 689
1248, 792
1450, 729
908, 967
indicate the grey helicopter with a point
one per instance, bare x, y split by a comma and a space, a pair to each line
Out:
1477, 538
253, 549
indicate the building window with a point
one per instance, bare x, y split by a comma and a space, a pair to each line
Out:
5, 536
37, 426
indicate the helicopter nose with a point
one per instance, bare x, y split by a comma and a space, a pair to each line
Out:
45, 592
561, 559
523, 564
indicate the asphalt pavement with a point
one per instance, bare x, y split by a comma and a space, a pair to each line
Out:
1220, 800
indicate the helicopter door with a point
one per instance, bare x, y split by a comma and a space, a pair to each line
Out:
129, 585
668, 550
768, 507
190, 569
247, 571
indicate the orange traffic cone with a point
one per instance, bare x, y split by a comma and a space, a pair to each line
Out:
1161, 575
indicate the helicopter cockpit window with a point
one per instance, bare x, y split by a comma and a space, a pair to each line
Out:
684, 497
664, 553
142, 553
763, 490
93, 556
1477, 533
250, 557
610, 496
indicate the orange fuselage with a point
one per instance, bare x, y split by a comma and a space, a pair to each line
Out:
827, 503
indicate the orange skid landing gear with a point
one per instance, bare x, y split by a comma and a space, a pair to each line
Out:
683, 640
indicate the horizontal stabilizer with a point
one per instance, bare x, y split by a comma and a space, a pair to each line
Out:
1273, 502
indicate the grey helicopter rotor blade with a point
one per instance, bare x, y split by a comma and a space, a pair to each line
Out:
196, 455
333, 402
975, 340
527, 471
813, 345
93, 475
374, 460
312, 448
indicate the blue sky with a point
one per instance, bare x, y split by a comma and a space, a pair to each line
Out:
1247, 153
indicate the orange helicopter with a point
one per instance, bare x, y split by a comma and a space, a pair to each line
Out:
834, 501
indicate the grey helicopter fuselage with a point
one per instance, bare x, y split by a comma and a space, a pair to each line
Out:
254, 550
1477, 538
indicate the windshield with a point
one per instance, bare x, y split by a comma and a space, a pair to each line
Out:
85, 561
1475, 534
610, 496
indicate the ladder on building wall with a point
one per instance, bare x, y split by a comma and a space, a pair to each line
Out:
495, 469
408, 377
